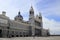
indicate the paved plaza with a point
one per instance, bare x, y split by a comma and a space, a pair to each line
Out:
33, 38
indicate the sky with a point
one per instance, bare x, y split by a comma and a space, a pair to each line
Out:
50, 10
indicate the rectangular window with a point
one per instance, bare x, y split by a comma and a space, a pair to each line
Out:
37, 23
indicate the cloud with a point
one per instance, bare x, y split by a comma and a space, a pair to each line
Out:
52, 25
49, 8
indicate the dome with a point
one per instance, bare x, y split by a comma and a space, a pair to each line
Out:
19, 17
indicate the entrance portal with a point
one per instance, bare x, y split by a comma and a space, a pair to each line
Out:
37, 32
0, 33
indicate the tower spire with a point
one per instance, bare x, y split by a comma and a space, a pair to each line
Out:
31, 14
19, 13
31, 9
40, 14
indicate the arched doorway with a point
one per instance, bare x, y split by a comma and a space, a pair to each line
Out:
0, 33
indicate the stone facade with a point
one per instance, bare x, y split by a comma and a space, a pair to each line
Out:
21, 28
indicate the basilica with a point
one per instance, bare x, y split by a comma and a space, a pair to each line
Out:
20, 28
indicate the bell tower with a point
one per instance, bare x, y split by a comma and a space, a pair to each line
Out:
31, 15
40, 17
31, 21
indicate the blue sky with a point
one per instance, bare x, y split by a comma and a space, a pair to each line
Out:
50, 10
